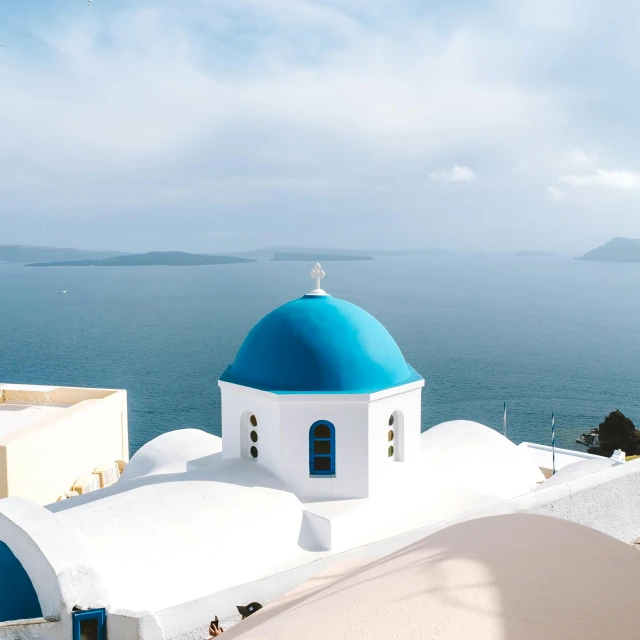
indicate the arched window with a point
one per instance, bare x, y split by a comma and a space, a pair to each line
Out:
322, 449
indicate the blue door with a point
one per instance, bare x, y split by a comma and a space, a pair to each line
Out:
90, 625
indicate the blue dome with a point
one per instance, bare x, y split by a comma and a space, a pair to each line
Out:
319, 344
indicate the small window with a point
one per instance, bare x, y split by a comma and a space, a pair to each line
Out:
90, 625
390, 435
390, 451
253, 420
254, 436
254, 452
391, 420
322, 449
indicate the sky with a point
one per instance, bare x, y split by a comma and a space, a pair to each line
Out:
219, 125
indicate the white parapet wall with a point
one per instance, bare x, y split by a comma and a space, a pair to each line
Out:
51, 436
607, 500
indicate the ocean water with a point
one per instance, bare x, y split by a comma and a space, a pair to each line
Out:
543, 334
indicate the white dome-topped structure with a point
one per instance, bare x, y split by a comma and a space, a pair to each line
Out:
321, 395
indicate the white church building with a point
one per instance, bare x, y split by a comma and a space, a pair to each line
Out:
321, 396
322, 457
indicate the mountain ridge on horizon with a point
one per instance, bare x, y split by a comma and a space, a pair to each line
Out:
149, 259
617, 249
23, 254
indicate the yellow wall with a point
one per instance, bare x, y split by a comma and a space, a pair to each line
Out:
44, 459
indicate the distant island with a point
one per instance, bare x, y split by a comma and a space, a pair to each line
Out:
21, 254
63, 257
269, 253
616, 250
152, 259
533, 254
317, 257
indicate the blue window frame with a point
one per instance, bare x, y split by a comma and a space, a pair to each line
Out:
90, 625
322, 449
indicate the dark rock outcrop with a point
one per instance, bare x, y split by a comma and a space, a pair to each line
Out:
617, 432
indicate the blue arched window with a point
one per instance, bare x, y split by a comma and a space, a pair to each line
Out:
322, 449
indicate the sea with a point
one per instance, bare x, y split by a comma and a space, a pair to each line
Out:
541, 334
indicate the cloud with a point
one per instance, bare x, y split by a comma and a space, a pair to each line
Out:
617, 179
457, 173
271, 114
581, 158
554, 194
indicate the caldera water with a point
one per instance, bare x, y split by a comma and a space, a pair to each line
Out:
543, 334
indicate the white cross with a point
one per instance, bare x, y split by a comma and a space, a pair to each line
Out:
317, 274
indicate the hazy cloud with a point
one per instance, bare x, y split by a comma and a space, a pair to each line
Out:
581, 158
554, 194
261, 116
621, 179
455, 174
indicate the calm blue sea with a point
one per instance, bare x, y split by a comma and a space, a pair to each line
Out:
543, 334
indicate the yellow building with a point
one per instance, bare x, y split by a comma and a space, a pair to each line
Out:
53, 439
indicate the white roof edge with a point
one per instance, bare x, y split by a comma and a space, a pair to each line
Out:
27, 387
10, 386
569, 452
325, 397
232, 386
393, 391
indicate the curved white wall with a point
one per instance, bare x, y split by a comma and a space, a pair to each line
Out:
472, 455
171, 452
53, 557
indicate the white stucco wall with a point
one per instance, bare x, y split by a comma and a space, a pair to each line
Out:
469, 454
361, 424
173, 452
405, 403
58, 564
607, 500
185, 529
238, 403
39, 629
349, 416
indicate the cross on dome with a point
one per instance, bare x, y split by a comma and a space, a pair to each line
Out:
317, 274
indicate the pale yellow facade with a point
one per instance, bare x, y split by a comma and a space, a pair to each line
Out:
51, 436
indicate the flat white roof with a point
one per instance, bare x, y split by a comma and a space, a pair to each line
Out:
14, 417
22, 405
